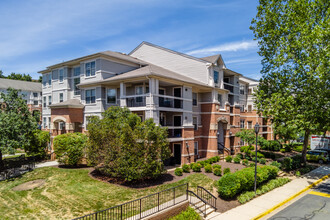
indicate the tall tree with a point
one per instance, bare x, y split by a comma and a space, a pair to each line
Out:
293, 38
16, 122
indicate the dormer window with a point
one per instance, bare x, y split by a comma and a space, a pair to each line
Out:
90, 69
216, 77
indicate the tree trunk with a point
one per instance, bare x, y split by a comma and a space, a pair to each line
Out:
305, 146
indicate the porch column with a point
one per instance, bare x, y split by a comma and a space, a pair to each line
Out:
152, 100
123, 94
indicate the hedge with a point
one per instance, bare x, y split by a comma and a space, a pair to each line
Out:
178, 171
237, 160
197, 167
228, 159
208, 168
186, 168
217, 171
226, 170
232, 184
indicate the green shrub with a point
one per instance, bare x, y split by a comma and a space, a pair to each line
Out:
237, 160
191, 165
178, 171
287, 163
263, 161
197, 167
186, 168
226, 170
239, 155
259, 155
298, 173
216, 166
296, 161
189, 213
217, 158
232, 184
209, 161
217, 171
228, 159
202, 163
254, 159
252, 164
38, 145
245, 162
282, 150
270, 185
70, 148
287, 147
208, 168
276, 164
214, 159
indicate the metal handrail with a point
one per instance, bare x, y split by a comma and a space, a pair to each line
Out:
133, 209
205, 203
213, 202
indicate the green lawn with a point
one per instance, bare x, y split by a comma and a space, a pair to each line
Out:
72, 193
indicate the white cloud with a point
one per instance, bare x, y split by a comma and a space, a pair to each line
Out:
228, 47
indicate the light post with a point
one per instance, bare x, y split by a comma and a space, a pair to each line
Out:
256, 130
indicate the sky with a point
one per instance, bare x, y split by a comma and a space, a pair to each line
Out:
35, 34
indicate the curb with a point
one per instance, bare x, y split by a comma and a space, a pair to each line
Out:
290, 198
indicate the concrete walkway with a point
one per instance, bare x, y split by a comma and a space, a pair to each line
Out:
264, 202
47, 164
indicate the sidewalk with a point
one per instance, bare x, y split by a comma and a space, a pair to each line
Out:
47, 164
263, 203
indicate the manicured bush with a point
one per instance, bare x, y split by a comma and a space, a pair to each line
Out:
202, 163
228, 159
232, 184
237, 160
189, 213
252, 164
270, 185
259, 155
226, 170
178, 171
217, 171
287, 163
197, 167
38, 145
214, 159
282, 150
217, 158
239, 155
209, 161
216, 166
186, 168
208, 168
263, 161
191, 165
245, 162
254, 159
287, 147
298, 173
70, 148
297, 147
276, 164
246, 150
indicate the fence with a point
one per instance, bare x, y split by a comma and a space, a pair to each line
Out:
143, 207
207, 197
13, 167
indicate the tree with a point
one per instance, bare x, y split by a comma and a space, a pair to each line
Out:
123, 147
18, 76
16, 122
70, 148
293, 38
247, 135
38, 144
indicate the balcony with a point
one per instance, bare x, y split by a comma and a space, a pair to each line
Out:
229, 87
138, 101
175, 133
165, 101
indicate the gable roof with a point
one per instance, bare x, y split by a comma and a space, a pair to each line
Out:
20, 85
70, 103
211, 59
168, 50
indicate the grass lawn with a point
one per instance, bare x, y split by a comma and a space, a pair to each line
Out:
70, 193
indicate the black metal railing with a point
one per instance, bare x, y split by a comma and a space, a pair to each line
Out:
170, 102
138, 101
207, 196
229, 87
143, 207
12, 167
196, 201
174, 133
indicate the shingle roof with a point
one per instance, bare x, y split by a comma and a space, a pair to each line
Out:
21, 85
211, 59
70, 103
150, 70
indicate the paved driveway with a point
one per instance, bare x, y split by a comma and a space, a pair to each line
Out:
314, 205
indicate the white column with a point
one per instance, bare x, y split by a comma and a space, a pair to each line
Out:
123, 94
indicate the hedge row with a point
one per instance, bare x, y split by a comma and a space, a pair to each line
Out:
232, 184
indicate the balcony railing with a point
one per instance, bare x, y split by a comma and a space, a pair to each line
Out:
170, 102
137, 101
229, 87
175, 133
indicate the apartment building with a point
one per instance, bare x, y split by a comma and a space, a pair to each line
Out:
201, 102
31, 92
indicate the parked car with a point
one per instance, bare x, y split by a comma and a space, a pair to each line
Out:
320, 156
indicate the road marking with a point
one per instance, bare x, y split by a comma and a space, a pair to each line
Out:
290, 198
320, 194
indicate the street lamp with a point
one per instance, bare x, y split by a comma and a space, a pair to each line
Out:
256, 130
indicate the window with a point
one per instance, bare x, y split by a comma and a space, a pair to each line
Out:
49, 100
195, 123
61, 75
61, 97
49, 79
147, 89
242, 124
111, 96
45, 101
44, 122
242, 107
194, 95
249, 108
219, 98
196, 148
61, 125
216, 77
76, 81
90, 69
249, 125
90, 96
35, 95
76, 71
44, 80
49, 122
138, 91
35, 102
241, 89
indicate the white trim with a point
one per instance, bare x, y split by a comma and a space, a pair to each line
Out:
179, 139
216, 151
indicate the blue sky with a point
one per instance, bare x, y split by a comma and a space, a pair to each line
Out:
37, 33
